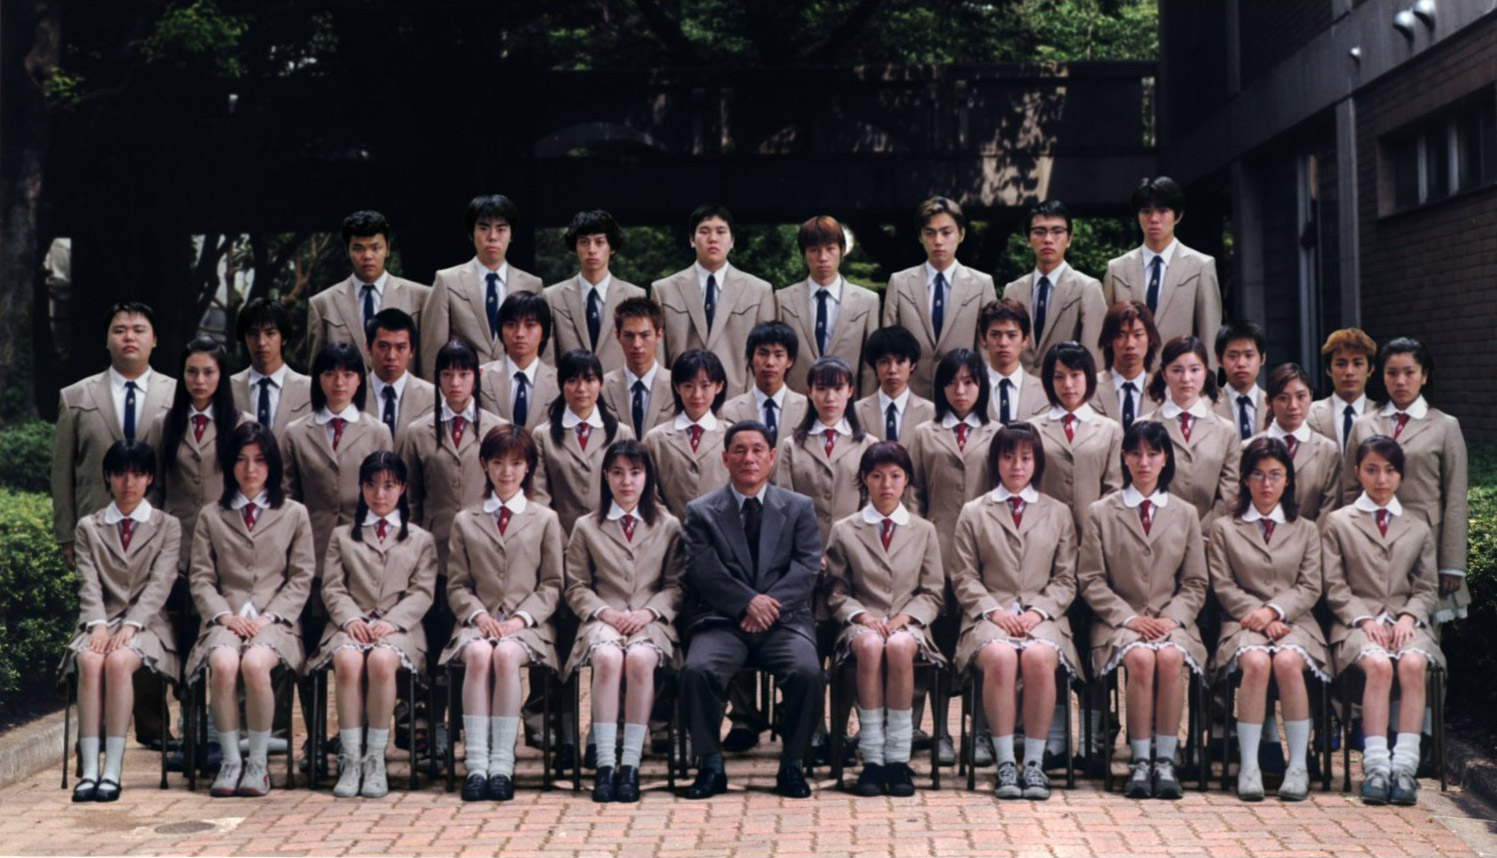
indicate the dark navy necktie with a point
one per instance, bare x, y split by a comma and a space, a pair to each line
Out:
822, 295
1041, 307
522, 402
491, 303
129, 411
594, 317
938, 305
891, 423
638, 407
1153, 295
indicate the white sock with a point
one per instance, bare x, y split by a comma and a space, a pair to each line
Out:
607, 738
259, 743
228, 744
503, 729
634, 744
899, 732
1298, 734
476, 744
1055, 743
351, 740
1248, 737
1164, 747
1406, 753
1140, 749
114, 757
1375, 756
1034, 751
88, 749
872, 739
1003, 748
378, 741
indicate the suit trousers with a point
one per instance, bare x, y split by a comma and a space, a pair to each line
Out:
717, 652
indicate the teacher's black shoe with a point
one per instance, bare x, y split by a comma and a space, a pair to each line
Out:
707, 784
86, 790
501, 788
603, 787
626, 786
110, 791
791, 783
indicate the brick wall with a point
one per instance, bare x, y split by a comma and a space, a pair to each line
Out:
1271, 30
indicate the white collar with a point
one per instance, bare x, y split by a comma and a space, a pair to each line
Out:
1168, 254
708, 422
117, 381
899, 402
569, 418
834, 291
140, 515
1083, 414
1275, 515
949, 273
950, 421
899, 516
779, 398
702, 274
393, 519
483, 272
648, 378
378, 284
206, 412
1059, 272
1368, 505
379, 386
467, 414
1417, 409
1015, 378
740, 498
602, 285
349, 414
616, 512
1338, 405
1132, 497
515, 505
1302, 434
1118, 380
261, 501
277, 378
1001, 494
529, 372
1254, 395
1170, 411
842, 427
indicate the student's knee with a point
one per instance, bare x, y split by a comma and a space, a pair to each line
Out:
348, 664
1411, 669
383, 662
1376, 668
901, 648
1255, 666
1288, 666
998, 661
224, 666
121, 664
640, 661
1038, 660
1169, 660
509, 657
476, 656
606, 660
90, 664
256, 667
1140, 663
868, 647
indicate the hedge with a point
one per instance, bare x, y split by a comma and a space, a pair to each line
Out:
1468, 643
26, 456
38, 604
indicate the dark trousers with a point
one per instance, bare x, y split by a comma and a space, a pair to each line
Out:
717, 652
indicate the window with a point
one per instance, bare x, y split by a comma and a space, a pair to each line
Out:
1441, 156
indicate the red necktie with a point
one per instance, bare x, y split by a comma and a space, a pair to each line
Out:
1292, 443
1382, 522
1267, 525
886, 532
249, 515
127, 529
1146, 515
1400, 420
583, 430
1069, 422
1185, 424
961, 436
457, 430
1016, 506
381, 528
338, 423
627, 522
695, 432
503, 519
199, 423
831, 441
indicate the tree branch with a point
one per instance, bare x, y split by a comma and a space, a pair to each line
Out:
668, 30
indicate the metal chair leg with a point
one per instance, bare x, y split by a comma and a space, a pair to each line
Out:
839, 725
1200, 734
67, 727
1325, 737
1065, 687
166, 716
572, 690
190, 735
979, 719
454, 702
545, 679
1346, 734
410, 731
1226, 732
940, 711
291, 747
1438, 693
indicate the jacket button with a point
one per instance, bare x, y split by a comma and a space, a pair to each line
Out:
695, 469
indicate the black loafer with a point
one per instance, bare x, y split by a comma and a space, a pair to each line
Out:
476, 787
707, 785
501, 788
626, 785
870, 781
108, 791
739, 740
603, 785
899, 780
86, 790
791, 783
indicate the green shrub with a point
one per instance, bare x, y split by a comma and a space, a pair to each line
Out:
38, 604
26, 456
1467, 643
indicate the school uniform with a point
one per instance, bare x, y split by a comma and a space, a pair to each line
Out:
908, 302
909, 412
947, 475
1230, 409
1281, 571
129, 585
1206, 466
1026, 396
249, 571
458, 309
1381, 576
287, 397
790, 409
517, 573
91, 416
370, 579
851, 318
906, 577
640, 569
444, 478
1113, 393
829, 480
195, 479
569, 478
325, 480
1084, 465
1124, 572
742, 301
1189, 299
656, 400
1328, 417
1317, 469
407, 397
569, 300
684, 473
1004, 565
336, 314
1074, 309
499, 390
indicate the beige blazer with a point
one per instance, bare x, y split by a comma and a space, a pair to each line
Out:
605, 570
442, 480
1317, 475
497, 395
743, 302
683, 475
857, 319
1080, 472
660, 407
1075, 313
1226, 406
1323, 419
1248, 574
335, 315
916, 412
419, 396
1124, 573
1367, 574
271, 567
194, 481
1032, 401
946, 478
1190, 299
520, 571
394, 579
830, 483
115, 585
569, 322
296, 399
1000, 565
87, 425
1105, 400
906, 305
1206, 468
743, 407
567, 478
908, 578
327, 482
455, 309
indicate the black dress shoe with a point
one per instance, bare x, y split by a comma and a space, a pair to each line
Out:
626, 785
476, 787
870, 781
108, 791
501, 788
707, 784
85, 790
603, 786
791, 783
740, 739
899, 780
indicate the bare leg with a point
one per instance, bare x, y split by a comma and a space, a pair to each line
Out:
259, 694
868, 649
476, 659
1252, 696
899, 653
1000, 667
1169, 691
1289, 674
509, 657
608, 667
382, 665
119, 702
1140, 664
223, 665
1038, 664
348, 669
90, 693
640, 662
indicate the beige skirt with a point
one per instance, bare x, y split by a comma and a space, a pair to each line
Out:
929, 652
156, 655
542, 651
278, 636
1109, 645
1356, 644
1055, 634
1304, 638
411, 645
596, 633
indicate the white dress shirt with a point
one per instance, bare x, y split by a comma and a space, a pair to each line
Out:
899, 402
1338, 414
377, 388
930, 284
324, 417
117, 390
833, 304
760, 397
510, 368
277, 385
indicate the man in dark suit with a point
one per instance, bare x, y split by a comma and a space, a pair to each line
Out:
752, 556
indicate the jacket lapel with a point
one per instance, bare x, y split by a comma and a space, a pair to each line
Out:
771, 526
1252, 532
728, 299
104, 401
731, 521
474, 291
577, 310
790, 311
1179, 269
845, 339
922, 306
964, 290
695, 300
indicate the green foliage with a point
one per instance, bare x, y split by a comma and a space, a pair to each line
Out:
1070, 30
61, 89
1093, 242
1467, 643
26, 456
198, 37
38, 602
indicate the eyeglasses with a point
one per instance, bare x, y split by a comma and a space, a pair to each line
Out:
1269, 478
1053, 232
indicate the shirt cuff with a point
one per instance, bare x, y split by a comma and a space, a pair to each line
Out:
1040, 612
91, 623
473, 616
134, 623
655, 613
213, 620
1129, 620
526, 618
853, 618
1277, 610
1358, 621
1458, 573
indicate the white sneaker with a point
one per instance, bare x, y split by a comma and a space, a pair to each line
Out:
348, 777
375, 783
1296, 785
1250, 784
227, 781
256, 780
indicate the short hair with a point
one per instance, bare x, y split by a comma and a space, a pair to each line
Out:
1257, 450
136, 308
746, 426
830, 371
1409, 346
1010, 438
362, 224
334, 356
129, 457
1126, 313
506, 440
693, 362
1384, 446
1002, 310
1150, 433
381, 461
638, 307
594, 222
579, 363
1174, 350
634, 451
709, 210
1240, 329
247, 433
772, 334
1073, 356
947, 368
893, 341
1349, 340
939, 206
885, 453
1048, 208
819, 230
491, 206
1284, 373
527, 307
260, 312
393, 320
1161, 192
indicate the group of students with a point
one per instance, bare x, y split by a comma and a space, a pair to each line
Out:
972, 469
